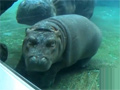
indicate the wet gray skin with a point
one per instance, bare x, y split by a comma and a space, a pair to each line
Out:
40, 50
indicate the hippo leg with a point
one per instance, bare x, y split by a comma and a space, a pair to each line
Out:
20, 68
3, 52
48, 77
44, 79
83, 63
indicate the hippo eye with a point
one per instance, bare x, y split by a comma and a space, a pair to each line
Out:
31, 43
50, 43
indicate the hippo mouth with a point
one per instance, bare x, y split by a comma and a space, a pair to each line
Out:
35, 64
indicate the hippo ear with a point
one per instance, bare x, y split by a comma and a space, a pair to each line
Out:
57, 33
27, 30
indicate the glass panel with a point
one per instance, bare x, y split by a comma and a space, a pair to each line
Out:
10, 79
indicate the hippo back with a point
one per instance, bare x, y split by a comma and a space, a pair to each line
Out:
83, 37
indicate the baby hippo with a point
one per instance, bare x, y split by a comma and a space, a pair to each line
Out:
59, 42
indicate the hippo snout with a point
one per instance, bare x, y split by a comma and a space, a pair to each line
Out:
35, 60
43, 61
35, 63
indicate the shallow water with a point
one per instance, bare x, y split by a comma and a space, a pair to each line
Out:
106, 18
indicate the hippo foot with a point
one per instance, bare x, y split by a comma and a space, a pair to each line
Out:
47, 80
41, 79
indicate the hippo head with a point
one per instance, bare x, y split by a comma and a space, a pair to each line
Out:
31, 11
41, 48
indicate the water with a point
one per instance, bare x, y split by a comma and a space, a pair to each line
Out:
106, 17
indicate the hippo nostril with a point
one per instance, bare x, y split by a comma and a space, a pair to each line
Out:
33, 59
43, 61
